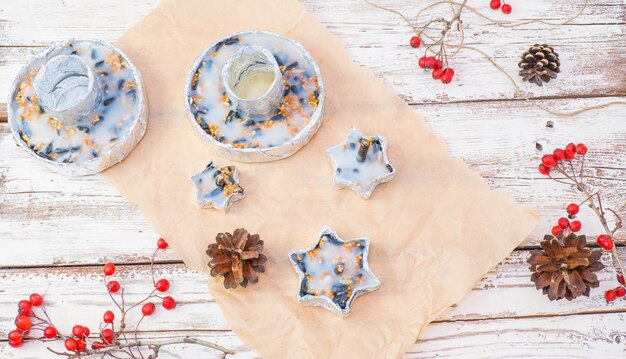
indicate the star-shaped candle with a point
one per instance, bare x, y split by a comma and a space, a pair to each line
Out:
334, 272
217, 187
360, 163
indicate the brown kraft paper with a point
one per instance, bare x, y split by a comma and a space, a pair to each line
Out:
435, 229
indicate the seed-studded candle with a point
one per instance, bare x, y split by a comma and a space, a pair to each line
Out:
334, 272
255, 96
360, 163
79, 106
217, 187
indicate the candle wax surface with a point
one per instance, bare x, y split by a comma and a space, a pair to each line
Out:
254, 84
362, 176
214, 113
336, 270
210, 195
94, 134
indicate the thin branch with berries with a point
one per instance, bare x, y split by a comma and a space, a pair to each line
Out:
114, 341
435, 33
569, 163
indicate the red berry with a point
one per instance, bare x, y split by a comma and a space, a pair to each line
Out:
558, 154
36, 299
108, 317
581, 149
495, 4
107, 335
556, 230
575, 226
82, 345
415, 41
15, 344
97, 345
109, 269
71, 344
23, 322
50, 332
569, 154
437, 74
572, 208
506, 8
421, 62
86, 332
544, 170
113, 286
610, 295
431, 62
148, 309
169, 303
78, 331
15, 336
24, 307
438, 64
162, 285
570, 147
620, 279
620, 291
605, 242
548, 160
446, 78
563, 222
449, 71
162, 244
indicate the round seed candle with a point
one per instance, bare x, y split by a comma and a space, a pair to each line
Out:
255, 96
334, 272
360, 163
78, 105
217, 187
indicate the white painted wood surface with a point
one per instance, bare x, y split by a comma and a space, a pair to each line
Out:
55, 229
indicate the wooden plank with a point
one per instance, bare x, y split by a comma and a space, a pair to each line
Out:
580, 336
38, 208
505, 292
378, 40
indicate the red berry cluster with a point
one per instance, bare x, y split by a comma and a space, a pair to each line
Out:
24, 320
497, 4
437, 65
612, 294
76, 342
564, 223
559, 155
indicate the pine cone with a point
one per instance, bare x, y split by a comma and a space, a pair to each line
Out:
237, 257
564, 267
539, 64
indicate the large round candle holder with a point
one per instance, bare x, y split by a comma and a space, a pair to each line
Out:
79, 106
255, 96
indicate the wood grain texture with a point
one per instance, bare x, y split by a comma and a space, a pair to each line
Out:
378, 40
55, 229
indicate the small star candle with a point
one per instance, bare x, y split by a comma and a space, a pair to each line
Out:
334, 272
217, 187
360, 163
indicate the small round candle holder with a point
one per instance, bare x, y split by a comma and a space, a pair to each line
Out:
78, 106
255, 96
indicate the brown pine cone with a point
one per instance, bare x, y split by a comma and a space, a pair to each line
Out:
564, 268
237, 257
539, 64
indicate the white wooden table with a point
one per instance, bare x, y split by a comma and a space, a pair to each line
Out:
55, 231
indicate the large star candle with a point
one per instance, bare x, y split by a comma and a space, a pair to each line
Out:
360, 163
334, 272
217, 187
